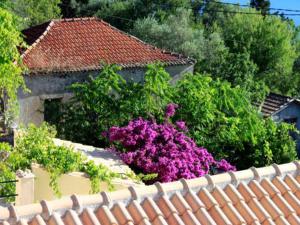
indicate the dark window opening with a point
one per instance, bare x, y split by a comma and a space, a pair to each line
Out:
52, 110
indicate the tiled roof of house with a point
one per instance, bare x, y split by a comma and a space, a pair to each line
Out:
269, 195
273, 103
83, 43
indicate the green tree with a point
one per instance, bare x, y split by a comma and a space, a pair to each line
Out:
10, 63
296, 68
268, 41
178, 33
68, 7
222, 119
122, 14
35, 12
261, 5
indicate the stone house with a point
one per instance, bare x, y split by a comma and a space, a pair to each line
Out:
283, 109
65, 51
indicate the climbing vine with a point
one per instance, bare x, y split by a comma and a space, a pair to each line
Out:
35, 145
6, 174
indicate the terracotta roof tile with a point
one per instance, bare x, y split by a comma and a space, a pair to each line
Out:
269, 195
83, 43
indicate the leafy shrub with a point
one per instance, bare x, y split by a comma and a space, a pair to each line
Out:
164, 149
220, 117
35, 145
108, 100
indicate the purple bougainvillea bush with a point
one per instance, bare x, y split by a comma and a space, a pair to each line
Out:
164, 149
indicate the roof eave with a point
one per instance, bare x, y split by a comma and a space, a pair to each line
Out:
95, 68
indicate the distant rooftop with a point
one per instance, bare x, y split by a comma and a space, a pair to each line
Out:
274, 102
269, 195
83, 43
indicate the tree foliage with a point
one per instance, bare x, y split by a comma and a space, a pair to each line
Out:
262, 5
10, 64
177, 33
268, 41
122, 14
222, 119
35, 12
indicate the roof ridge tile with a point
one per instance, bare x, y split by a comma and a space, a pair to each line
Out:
277, 169
211, 183
76, 203
134, 193
160, 189
46, 210
106, 198
13, 215
255, 172
234, 180
297, 163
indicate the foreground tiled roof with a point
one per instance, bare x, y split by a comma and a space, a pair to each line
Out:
273, 103
269, 195
83, 43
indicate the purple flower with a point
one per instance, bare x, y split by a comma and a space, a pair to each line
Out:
225, 166
181, 125
171, 109
162, 149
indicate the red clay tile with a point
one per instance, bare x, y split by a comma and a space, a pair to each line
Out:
88, 217
121, 214
137, 213
81, 44
266, 197
105, 216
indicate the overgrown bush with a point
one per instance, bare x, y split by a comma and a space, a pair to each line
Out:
35, 145
220, 117
164, 150
108, 100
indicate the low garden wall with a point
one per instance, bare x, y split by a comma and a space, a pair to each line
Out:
71, 183
33, 186
98, 155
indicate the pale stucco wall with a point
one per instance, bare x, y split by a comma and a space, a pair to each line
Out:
24, 187
55, 85
71, 183
33, 186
